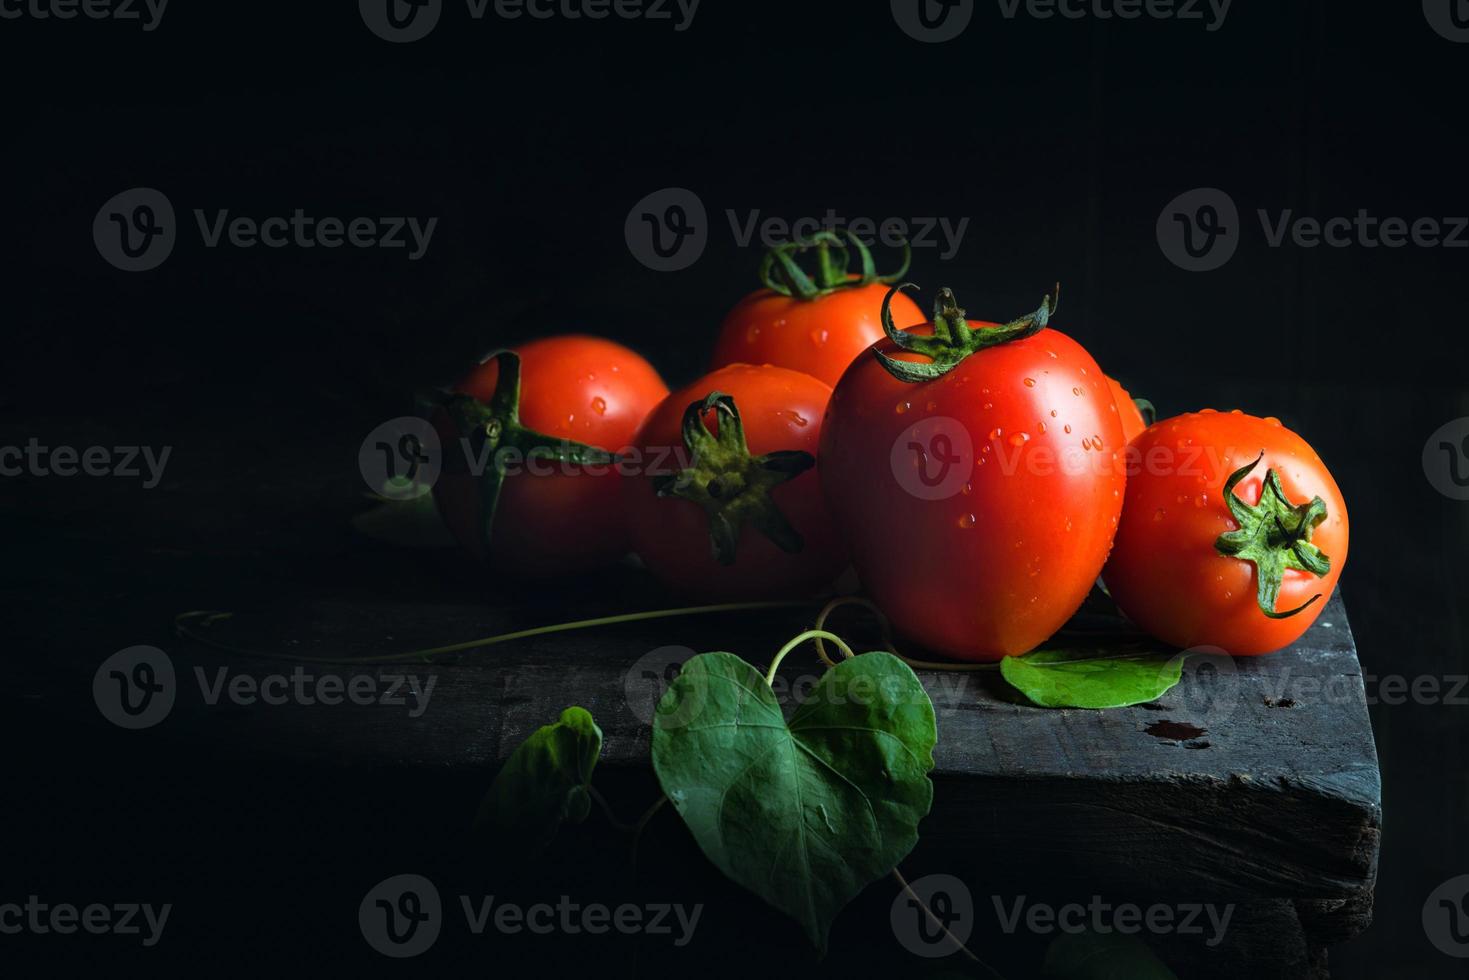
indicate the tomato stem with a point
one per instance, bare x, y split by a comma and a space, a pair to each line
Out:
1275, 535
953, 338
730, 485
780, 272
492, 432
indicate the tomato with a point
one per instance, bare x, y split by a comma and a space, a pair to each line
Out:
1169, 570
817, 326
1128, 410
552, 516
729, 505
980, 490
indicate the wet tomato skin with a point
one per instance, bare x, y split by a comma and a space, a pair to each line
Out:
582, 388
997, 566
1165, 572
1131, 416
781, 409
818, 336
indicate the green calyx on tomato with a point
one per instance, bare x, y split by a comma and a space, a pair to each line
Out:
1274, 534
492, 433
780, 273
728, 483
953, 339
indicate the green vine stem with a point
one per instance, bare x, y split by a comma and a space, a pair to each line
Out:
185, 626
780, 272
802, 638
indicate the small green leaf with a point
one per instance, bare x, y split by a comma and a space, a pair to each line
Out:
411, 523
1092, 956
1093, 678
804, 814
542, 785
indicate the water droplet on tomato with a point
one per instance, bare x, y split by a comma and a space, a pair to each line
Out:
968, 520
818, 336
995, 432
1019, 439
968, 488
1067, 429
1030, 382
988, 406
1159, 514
1076, 391
902, 407
599, 405
794, 417
1042, 427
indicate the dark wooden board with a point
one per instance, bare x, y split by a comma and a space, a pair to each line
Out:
1276, 796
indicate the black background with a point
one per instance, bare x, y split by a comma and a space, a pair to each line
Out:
1061, 141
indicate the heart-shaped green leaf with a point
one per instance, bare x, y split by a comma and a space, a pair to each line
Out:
1093, 678
804, 814
1093, 956
542, 785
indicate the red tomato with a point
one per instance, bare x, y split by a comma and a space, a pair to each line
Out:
1133, 422
563, 518
820, 332
979, 504
1167, 571
706, 518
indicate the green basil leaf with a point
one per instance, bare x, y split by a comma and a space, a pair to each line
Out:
804, 814
1093, 678
542, 785
1092, 956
